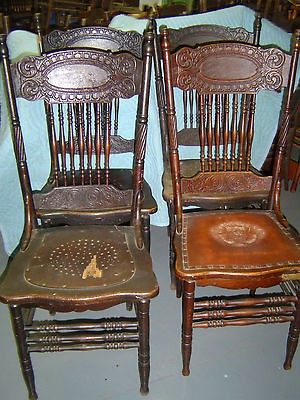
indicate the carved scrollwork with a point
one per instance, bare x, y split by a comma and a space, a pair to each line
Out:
225, 182
97, 37
77, 75
208, 68
84, 198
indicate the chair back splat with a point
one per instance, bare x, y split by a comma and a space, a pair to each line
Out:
229, 246
188, 107
116, 140
81, 266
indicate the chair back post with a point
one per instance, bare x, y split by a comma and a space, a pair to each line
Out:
38, 30
159, 86
257, 28
278, 168
19, 148
141, 137
172, 129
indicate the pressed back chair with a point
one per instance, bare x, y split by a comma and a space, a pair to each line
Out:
238, 249
188, 109
292, 159
116, 141
79, 267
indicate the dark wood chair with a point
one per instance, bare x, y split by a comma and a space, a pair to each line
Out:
79, 267
188, 102
292, 160
59, 13
170, 10
237, 249
18, 14
112, 142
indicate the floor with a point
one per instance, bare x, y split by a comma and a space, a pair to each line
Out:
228, 364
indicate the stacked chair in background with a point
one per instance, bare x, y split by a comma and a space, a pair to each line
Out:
85, 266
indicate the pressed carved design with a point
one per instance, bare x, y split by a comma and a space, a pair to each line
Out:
97, 37
239, 234
208, 33
84, 197
67, 263
219, 182
192, 69
101, 78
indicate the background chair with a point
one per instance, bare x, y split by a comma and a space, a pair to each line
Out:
292, 160
241, 248
18, 14
188, 117
83, 267
113, 144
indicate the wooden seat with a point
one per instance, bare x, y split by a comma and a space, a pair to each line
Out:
87, 266
237, 249
113, 144
188, 105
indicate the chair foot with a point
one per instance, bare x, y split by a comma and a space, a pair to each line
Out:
144, 348
185, 372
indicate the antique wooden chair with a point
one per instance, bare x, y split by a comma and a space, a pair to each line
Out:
292, 159
241, 248
189, 115
62, 11
79, 267
113, 143
18, 14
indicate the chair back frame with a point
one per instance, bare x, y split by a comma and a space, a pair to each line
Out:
208, 70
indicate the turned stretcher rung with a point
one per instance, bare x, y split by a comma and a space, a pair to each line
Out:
81, 324
244, 312
86, 337
41, 348
220, 302
219, 323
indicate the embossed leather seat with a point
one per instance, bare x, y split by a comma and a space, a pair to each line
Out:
235, 249
87, 266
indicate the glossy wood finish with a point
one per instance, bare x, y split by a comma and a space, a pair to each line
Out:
292, 161
118, 181
83, 266
228, 246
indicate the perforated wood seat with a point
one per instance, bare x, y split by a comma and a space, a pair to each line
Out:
80, 266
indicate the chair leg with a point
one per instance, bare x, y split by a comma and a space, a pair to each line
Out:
293, 337
144, 348
146, 230
187, 325
171, 246
24, 356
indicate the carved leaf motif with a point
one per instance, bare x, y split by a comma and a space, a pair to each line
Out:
83, 197
103, 76
224, 182
255, 68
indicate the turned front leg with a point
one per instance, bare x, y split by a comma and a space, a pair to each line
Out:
187, 325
